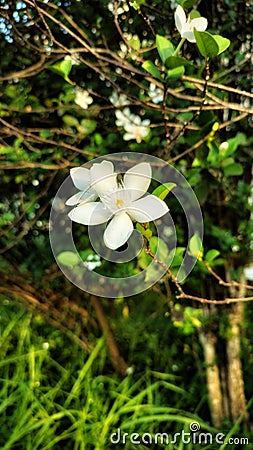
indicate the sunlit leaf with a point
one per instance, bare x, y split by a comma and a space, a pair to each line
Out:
150, 67
69, 259
165, 47
206, 43
163, 190
223, 43
196, 247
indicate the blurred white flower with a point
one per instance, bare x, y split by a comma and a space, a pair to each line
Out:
123, 117
133, 125
83, 98
155, 93
248, 273
118, 100
136, 129
186, 26
121, 203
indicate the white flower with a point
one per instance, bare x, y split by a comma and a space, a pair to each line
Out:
136, 129
186, 26
129, 201
86, 181
83, 99
155, 93
118, 100
123, 117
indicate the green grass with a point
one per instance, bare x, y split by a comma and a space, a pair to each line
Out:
54, 396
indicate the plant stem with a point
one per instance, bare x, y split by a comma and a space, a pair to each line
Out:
179, 47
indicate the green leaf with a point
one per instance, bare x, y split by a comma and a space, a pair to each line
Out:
69, 259
196, 247
228, 147
206, 43
223, 43
234, 169
187, 4
211, 255
175, 74
87, 126
176, 61
165, 47
147, 233
163, 190
178, 257
150, 67
159, 248
70, 120
6, 150
194, 14
63, 69
135, 42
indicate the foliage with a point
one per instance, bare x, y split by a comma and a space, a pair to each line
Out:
61, 65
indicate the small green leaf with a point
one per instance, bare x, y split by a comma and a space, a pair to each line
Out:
234, 169
163, 190
165, 47
187, 4
87, 126
176, 61
6, 150
135, 43
206, 43
63, 69
178, 257
175, 74
228, 147
159, 248
196, 247
69, 259
70, 120
223, 43
194, 14
147, 233
211, 255
150, 67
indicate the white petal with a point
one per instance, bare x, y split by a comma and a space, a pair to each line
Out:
180, 18
147, 209
118, 231
80, 177
189, 35
92, 213
82, 197
200, 23
103, 178
137, 179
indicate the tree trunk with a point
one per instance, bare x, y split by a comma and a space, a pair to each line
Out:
208, 341
225, 377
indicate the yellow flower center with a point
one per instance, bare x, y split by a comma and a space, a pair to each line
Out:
119, 203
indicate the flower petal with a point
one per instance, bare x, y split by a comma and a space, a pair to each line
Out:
147, 209
200, 23
103, 178
80, 177
82, 197
180, 18
118, 231
92, 213
137, 179
189, 35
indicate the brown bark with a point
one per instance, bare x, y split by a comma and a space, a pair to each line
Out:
208, 341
